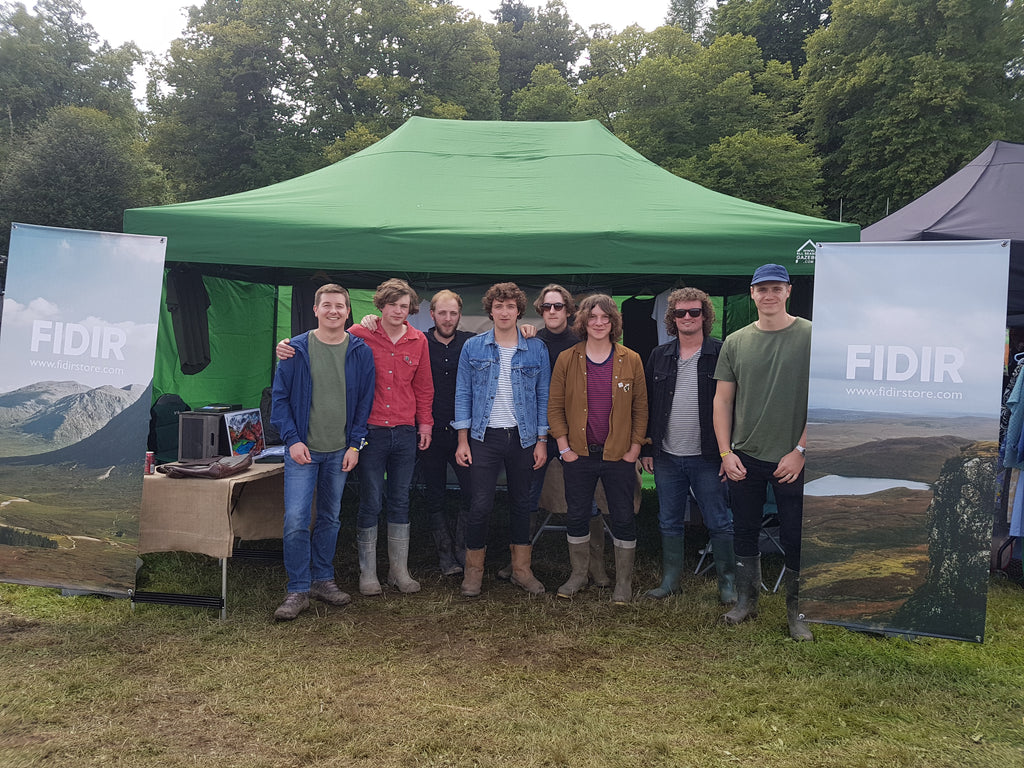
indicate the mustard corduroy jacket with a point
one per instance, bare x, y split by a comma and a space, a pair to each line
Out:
567, 402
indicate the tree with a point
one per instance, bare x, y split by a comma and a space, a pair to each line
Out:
901, 94
688, 15
547, 97
525, 38
79, 168
219, 123
780, 26
52, 59
775, 170
670, 107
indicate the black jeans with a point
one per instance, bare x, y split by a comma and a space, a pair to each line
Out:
619, 481
748, 498
434, 463
500, 447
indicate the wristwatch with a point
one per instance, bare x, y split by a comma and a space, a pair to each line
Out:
802, 450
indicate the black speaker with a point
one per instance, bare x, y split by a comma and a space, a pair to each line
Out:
199, 435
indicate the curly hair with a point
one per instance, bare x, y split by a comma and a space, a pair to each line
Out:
392, 290
689, 294
570, 305
599, 301
505, 292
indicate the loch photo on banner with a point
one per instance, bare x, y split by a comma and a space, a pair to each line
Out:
77, 340
902, 430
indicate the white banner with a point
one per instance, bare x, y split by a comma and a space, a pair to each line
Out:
903, 419
77, 341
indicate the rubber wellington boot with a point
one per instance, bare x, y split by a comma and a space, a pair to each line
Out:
579, 560
798, 630
445, 548
398, 558
366, 540
671, 566
473, 573
725, 565
624, 554
748, 590
522, 575
598, 575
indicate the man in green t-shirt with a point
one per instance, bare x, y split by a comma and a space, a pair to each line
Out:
760, 418
322, 400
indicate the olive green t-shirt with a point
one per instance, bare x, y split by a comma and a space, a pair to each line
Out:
771, 370
327, 420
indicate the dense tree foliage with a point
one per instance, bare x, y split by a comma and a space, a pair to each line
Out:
526, 37
53, 58
79, 168
808, 105
779, 26
902, 92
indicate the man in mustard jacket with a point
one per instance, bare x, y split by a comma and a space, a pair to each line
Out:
597, 411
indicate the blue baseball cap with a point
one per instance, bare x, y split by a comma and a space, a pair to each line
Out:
770, 272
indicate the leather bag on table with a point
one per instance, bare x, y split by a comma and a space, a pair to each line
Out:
222, 466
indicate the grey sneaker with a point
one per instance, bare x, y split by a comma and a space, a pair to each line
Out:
294, 604
328, 592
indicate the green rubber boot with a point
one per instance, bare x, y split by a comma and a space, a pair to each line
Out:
671, 567
725, 567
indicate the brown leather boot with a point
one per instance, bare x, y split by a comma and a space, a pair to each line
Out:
473, 573
522, 575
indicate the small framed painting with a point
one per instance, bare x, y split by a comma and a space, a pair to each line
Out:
244, 431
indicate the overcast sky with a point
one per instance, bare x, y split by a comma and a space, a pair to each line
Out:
152, 24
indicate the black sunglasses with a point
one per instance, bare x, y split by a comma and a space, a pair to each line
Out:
558, 307
681, 313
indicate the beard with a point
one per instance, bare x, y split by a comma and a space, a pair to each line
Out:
441, 332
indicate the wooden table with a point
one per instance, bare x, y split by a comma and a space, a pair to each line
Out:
205, 515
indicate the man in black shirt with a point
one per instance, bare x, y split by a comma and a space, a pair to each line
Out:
445, 342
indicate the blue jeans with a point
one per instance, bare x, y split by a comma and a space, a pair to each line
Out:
499, 448
748, 499
619, 481
390, 452
674, 478
311, 558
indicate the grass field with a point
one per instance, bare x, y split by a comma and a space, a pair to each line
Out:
433, 679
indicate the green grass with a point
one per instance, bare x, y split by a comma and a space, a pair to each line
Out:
433, 679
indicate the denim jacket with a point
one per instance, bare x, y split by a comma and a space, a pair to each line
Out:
477, 384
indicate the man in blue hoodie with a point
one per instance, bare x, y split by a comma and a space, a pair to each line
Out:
322, 399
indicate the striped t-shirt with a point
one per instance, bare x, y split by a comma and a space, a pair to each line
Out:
682, 434
503, 412
599, 399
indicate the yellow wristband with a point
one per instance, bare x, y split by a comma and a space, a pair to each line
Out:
723, 455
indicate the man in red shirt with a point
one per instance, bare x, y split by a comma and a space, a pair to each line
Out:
399, 423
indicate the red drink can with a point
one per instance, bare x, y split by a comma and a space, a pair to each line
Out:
150, 462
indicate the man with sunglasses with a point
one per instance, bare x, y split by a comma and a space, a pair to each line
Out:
683, 453
761, 426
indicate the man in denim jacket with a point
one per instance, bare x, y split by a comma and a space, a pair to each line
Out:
501, 404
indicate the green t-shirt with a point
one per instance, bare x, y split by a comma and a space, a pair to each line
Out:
771, 370
327, 419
